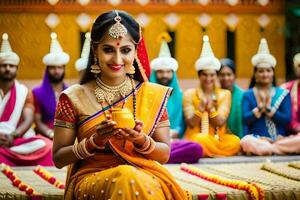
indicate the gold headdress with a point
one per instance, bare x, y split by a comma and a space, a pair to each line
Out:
117, 30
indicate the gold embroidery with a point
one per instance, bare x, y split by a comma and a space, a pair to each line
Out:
63, 124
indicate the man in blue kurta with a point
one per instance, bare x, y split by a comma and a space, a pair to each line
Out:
164, 70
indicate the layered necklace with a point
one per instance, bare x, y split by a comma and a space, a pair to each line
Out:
111, 94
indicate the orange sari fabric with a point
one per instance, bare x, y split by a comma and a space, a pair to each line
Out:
120, 159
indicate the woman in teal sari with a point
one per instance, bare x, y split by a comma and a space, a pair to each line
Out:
227, 80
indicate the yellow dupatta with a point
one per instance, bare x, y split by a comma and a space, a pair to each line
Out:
151, 101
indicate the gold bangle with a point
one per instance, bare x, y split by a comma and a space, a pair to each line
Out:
81, 151
50, 133
151, 148
145, 146
146, 143
198, 113
213, 114
148, 150
75, 151
85, 151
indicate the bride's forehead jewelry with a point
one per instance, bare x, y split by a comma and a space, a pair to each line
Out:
117, 30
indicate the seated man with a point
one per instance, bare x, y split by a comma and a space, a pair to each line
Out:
51, 87
227, 80
164, 72
164, 69
206, 109
266, 108
18, 145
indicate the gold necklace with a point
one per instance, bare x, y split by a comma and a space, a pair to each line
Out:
110, 94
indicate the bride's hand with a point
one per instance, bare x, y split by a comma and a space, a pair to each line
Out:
105, 130
134, 135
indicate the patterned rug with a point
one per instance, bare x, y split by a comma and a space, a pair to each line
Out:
249, 159
278, 181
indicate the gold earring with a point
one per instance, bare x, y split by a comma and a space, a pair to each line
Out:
130, 70
95, 68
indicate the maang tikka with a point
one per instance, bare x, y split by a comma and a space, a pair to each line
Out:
117, 30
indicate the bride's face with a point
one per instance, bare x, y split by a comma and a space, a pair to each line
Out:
115, 55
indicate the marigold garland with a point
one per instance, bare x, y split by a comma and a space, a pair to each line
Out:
218, 196
18, 183
255, 192
47, 176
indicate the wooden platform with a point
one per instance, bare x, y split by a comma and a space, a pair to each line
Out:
276, 187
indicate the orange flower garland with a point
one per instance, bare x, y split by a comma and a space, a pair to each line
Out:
18, 183
47, 176
255, 192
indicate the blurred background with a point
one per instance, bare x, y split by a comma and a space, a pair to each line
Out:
234, 27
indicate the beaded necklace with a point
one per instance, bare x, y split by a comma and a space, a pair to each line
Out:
109, 94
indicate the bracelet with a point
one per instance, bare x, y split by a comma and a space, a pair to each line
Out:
213, 114
271, 112
256, 112
75, 151
81, 151
93, 143
50, 133
259, 108
146, 144
150, 149
198, 113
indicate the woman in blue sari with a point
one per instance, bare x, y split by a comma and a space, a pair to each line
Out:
266, 108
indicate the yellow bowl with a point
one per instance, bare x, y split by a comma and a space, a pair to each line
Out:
123, 117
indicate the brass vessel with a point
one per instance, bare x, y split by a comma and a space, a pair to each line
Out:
123, 117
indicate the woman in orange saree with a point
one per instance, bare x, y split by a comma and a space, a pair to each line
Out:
117, 156
206, 109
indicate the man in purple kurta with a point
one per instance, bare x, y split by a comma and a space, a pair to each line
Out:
46, 95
